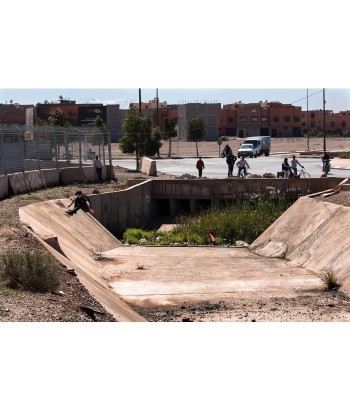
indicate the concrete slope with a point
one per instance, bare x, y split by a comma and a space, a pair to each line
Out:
312, 234
76, 239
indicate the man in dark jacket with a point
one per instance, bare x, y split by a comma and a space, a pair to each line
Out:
81, 202
230, 160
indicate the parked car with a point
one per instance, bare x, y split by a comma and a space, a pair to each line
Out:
247, 150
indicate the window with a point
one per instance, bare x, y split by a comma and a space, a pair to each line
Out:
296, 119
276, 119
264, 119
312, 115
287, 118
243, 119
343, 124
332, 124
230, 120
254, 119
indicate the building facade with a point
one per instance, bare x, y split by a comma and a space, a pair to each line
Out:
263, 118
335, 123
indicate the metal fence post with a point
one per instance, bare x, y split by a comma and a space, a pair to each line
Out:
2, 153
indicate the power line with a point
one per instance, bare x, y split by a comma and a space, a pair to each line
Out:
301, 99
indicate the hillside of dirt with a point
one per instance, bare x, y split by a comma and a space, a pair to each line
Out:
74, 303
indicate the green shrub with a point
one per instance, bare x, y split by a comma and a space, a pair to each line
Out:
345, 155
241, 221
133, 236
33, 271
329, 280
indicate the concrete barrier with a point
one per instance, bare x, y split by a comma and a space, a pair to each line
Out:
34, 179
17, 184
50, 177
148, 167
4, 186
72, 174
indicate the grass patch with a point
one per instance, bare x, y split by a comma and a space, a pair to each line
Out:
345, 155
329, 280
242, 221
33, 271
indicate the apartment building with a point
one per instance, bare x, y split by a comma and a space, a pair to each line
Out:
209, 113
13, 113
314, 121
262, 118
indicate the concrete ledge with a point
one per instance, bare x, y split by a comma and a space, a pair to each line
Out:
50, 177
4, 186
148, 167
17, 183
34, 179
72, 174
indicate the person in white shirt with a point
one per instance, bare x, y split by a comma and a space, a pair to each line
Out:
294, 162
242, 164
98, 166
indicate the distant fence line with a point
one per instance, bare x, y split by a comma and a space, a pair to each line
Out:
34, 148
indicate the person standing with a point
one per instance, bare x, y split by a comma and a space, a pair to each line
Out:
286, 168
230, 160
294, 162
200, 166
98, 166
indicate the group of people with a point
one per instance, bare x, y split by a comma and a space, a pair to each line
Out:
242, 165
288, 170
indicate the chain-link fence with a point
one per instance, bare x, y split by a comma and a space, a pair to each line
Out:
33, 148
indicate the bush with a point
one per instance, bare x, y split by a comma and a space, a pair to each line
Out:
133, 236
33, 271
345, 155
329, 280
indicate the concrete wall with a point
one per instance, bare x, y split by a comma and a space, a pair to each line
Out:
223, 189
4, 186
120, 210
312, 234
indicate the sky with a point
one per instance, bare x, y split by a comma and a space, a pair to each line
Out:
221, 51
336, 99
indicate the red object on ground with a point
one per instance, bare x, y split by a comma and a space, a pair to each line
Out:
212, 238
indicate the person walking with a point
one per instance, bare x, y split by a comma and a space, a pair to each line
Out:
200, 166
98, 166
230, 160
294, 162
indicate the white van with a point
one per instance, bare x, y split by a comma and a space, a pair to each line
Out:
261, 143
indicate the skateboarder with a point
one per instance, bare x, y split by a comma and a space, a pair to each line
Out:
81, 202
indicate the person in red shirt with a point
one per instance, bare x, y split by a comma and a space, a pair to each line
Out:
200, 166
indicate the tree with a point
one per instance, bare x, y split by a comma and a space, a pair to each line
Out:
59, 118
138, 136
196, 130
169, 130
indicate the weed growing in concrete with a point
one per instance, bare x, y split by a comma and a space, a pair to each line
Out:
329, 280
33, 271
242, 221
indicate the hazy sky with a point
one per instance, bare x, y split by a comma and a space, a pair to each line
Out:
336, 99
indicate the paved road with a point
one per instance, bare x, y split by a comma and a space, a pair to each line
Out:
217, 168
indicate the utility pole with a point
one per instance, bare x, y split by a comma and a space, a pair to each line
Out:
324, 120
140, 100
157, 107
307, 120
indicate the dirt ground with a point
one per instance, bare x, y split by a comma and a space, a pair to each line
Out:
76, 304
